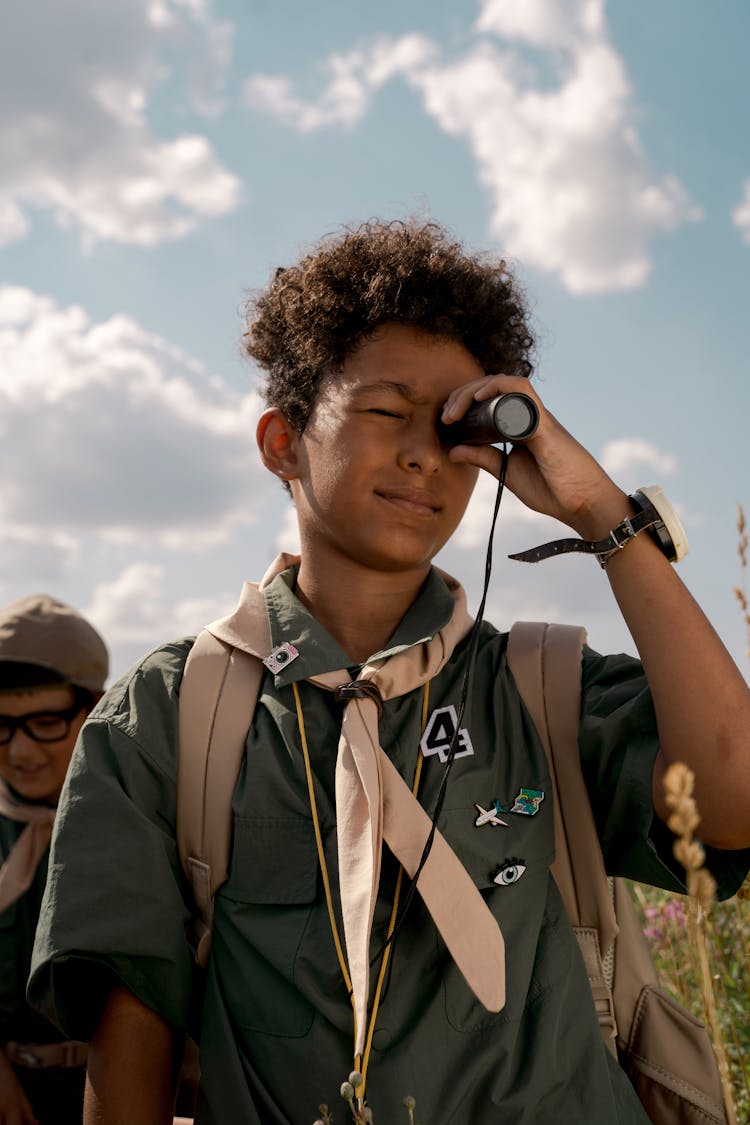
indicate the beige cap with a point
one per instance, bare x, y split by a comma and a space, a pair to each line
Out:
43, 631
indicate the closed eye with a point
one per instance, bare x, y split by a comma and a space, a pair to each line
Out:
384, 413
42, 721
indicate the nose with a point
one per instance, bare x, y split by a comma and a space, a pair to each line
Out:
21, 749
422, 450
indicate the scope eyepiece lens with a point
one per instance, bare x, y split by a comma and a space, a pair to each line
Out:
515, 416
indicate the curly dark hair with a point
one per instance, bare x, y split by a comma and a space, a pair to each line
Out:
314, 315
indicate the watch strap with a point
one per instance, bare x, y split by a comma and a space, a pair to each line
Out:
646, 518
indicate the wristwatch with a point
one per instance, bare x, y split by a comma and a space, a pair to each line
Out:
655, 515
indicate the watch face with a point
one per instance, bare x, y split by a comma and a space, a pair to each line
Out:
669, 534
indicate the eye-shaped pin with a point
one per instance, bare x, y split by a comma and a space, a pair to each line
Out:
509, 871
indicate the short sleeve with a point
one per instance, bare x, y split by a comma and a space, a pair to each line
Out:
618, 744
115, 904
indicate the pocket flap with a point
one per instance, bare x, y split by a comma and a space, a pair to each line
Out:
274, 860
670, 1061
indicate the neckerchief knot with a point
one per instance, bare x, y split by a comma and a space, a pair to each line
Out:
360, 689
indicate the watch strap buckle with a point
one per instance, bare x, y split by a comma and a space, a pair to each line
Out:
628, 533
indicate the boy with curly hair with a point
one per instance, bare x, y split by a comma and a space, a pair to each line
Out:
374, 344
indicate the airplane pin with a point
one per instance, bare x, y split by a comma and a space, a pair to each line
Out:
490, 815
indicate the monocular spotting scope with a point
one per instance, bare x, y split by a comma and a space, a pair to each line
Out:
509, 417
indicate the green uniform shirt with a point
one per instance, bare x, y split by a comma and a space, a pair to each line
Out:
55, 1093
18, 1021
276, 1037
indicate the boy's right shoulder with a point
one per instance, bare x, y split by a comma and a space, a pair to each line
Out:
149, 687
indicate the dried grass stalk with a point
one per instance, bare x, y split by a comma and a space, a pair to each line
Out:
740, 592
701, 886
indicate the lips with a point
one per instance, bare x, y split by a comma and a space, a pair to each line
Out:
418, 501
28, 772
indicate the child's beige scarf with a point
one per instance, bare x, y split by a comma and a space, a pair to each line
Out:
19, 868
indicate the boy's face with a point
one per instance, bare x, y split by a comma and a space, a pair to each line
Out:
374, 483
36, 769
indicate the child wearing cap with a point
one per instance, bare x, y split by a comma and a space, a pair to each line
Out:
53, 665
484, 1015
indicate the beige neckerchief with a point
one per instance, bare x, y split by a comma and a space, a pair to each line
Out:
373, 803
19, 868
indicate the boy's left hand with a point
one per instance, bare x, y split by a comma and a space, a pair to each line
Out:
550, 473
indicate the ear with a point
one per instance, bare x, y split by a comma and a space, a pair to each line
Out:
278, 444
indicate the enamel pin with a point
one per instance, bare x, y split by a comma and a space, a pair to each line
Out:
509, 871
528, 801
282, 655
490, 815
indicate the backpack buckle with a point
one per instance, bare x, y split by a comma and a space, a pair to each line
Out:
604, 1005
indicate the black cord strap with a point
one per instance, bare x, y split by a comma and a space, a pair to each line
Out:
471, 654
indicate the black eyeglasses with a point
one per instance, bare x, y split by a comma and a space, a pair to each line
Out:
42, 726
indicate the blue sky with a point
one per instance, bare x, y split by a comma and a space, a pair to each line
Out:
162, 157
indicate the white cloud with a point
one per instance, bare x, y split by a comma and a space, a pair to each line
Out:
571, 188
288, 536
352, 79
119, 433
133, 609
741, 214
78, 142
29, 549
474, 528
552, 125
624, 459
542, 23
13, 224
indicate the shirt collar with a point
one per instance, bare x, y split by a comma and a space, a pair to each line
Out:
292, 623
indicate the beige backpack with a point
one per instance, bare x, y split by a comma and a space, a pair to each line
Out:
665, 1051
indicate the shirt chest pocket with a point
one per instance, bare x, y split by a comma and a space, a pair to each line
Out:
274, 861
261, 915
509, 864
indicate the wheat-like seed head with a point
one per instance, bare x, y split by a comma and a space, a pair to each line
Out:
689, 853
679, 782
742, 533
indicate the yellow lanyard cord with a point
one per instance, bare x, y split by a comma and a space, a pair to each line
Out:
359, 1064
319, 842
394, 912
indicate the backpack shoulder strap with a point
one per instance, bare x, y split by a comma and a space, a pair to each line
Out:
545, 661
218, 694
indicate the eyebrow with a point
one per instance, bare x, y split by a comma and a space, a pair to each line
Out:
390, 385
